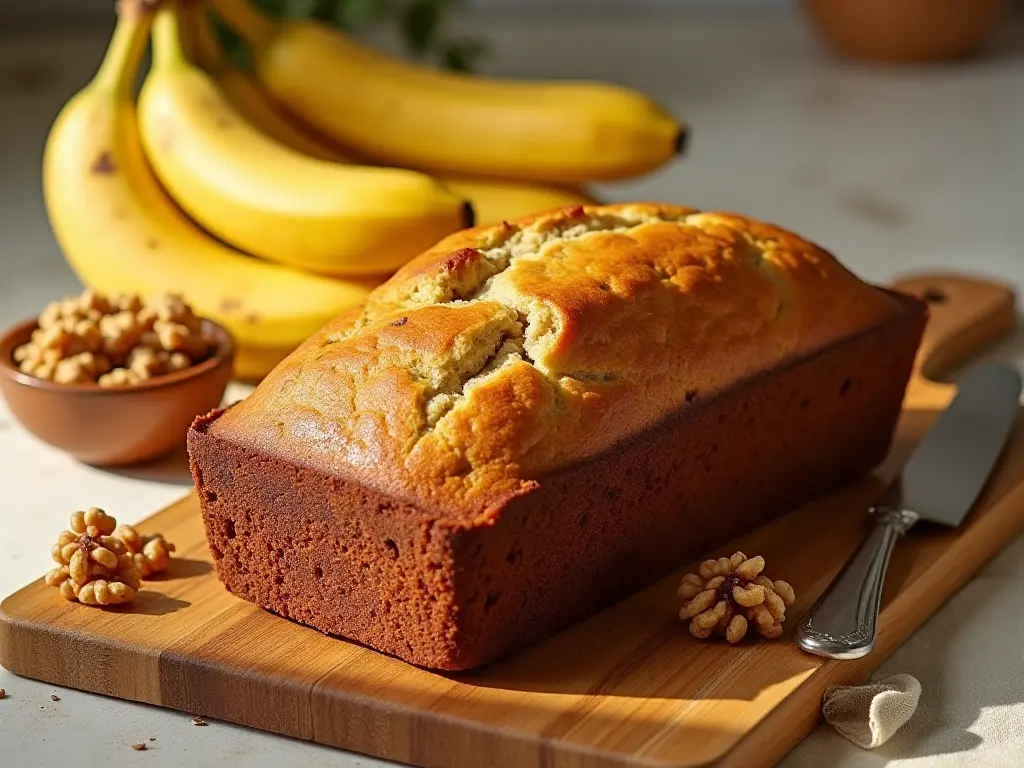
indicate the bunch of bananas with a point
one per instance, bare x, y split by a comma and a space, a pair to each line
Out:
273, 201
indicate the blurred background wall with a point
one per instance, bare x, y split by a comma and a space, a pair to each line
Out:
56, 11
59, 12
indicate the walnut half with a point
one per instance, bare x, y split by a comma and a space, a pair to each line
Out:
729, 594
94, 567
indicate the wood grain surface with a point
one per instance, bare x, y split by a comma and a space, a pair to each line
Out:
629, 687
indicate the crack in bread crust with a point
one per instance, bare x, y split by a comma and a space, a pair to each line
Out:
466, 272
508, 351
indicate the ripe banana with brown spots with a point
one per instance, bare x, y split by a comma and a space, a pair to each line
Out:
120, 232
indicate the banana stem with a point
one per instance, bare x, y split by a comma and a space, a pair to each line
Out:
251, 24
168, 46
205, 47
120, 65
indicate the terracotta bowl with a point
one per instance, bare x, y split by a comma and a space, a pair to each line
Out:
906, 31
115, 426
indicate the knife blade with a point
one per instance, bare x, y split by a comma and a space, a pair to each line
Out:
940, 484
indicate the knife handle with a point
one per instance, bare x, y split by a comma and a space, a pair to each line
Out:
842, 623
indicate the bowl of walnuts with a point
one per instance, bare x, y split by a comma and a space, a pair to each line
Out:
114, 380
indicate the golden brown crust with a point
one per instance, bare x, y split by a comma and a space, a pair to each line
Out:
505, 352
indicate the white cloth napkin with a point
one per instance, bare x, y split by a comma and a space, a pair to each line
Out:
869, 715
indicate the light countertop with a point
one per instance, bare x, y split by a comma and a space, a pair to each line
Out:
894, 171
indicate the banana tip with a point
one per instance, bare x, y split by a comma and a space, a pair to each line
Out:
682, 140
468, 215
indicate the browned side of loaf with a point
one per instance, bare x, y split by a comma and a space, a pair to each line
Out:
334, 555
349, 561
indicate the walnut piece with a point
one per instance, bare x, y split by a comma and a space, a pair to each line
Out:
177, 361
119, 377
92, 299
121, 332
172, 308
131, 302
728, 595
94, 567
145, 362
81, 368
151, 554
41, 363
113, 341
178, 337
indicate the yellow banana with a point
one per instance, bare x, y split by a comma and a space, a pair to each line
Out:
269, 200
493, 200
496, 201
400, 113
120, 232
244, 93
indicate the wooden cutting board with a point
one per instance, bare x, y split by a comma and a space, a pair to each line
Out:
628, 687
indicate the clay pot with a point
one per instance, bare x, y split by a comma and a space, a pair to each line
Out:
903, 31
114, 426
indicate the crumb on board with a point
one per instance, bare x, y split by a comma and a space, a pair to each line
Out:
54, 697
139, 747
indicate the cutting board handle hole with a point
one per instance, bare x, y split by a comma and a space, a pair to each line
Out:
966, 316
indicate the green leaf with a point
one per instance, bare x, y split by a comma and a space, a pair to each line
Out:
274, 7
299, 9
420, 22
463, 54
325, 11
231, 43
355, 14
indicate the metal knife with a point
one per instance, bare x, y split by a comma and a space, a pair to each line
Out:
940, 484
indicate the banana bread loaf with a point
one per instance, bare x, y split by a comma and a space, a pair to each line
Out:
533, 419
